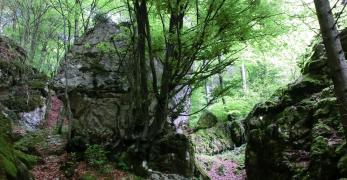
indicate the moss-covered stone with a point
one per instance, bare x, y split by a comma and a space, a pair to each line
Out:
342, 165
319, 147
11, 164
237, 132
297, 134
206, 120
88, 176
24, 103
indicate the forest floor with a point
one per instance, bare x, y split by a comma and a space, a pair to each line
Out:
228, 165
56, 163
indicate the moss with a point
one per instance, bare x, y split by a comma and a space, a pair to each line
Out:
342, 165
88, 176
312, 80
27, 159
87, 45
37, 84
9, 160
24, 103
325, 107
8, 166
30, 141
321, 129
341, 149
207, 120
319, 147
105, 47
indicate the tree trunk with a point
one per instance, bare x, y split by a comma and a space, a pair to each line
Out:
221, 81
76, 29
1, 14
207, 92
244, 78
141, 85
336, 57
66, 50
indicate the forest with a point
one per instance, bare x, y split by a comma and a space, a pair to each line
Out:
173, 89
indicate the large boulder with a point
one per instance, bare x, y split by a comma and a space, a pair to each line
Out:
297, 133
98, 87
96, 74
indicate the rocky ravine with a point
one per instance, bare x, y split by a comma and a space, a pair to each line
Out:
297, 134
219, 148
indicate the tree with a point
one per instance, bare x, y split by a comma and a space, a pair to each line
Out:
336, 57
189, 37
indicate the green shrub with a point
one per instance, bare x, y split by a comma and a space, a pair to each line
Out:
95, 156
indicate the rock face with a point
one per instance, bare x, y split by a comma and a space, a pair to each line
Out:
96, 75
297, 134
98, 88
21, 91
213, 140
22, 88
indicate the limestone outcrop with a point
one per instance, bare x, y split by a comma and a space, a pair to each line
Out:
96, 73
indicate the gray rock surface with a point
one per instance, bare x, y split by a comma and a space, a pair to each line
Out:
102, 108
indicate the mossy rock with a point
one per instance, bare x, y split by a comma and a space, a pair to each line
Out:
24, 103
237, 133
319, 146
88, 176
37, 84
342, 165
31, 141
321, 129
11, 164
207, 120
27, 159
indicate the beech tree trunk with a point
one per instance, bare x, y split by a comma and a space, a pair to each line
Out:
244, 78
76, 28
221, 81
336, 57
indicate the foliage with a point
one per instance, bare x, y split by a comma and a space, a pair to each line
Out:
31, 141
42, 27
95, 156
271, 62
101, 18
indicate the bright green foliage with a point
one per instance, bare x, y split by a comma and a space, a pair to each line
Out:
271, 62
